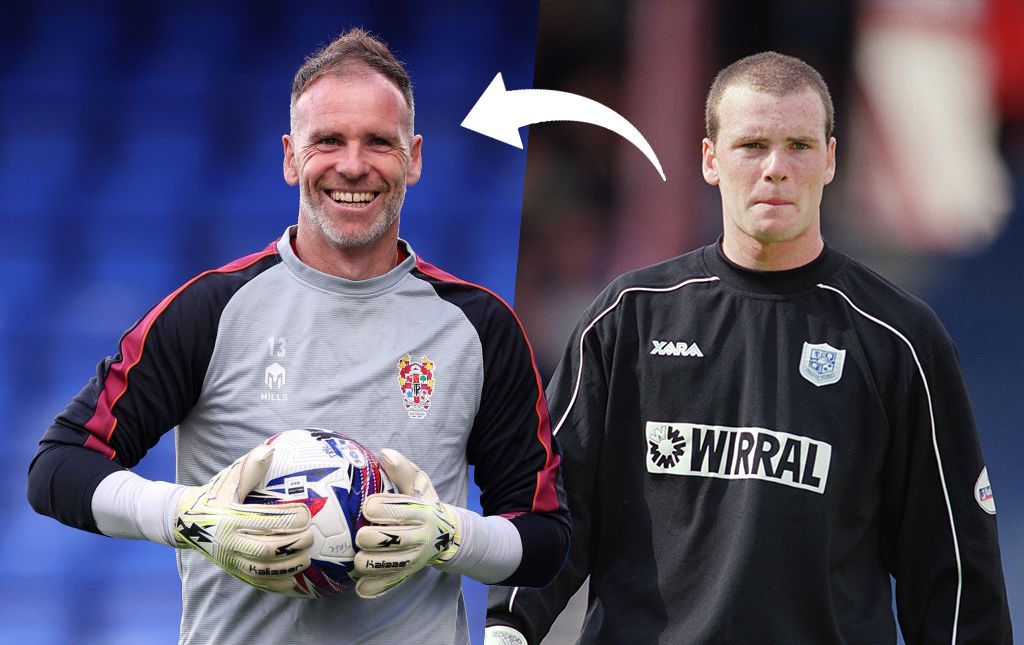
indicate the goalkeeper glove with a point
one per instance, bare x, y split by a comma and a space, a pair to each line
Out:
264, 545
408, 530
503, 635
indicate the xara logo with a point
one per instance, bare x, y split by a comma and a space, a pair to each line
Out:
675, 348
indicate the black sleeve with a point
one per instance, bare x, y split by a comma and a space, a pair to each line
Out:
939, 526
516, 459
61, 481
137, 395
577, 395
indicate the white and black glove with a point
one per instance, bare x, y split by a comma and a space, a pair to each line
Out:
409, 529
264, 545
503, 635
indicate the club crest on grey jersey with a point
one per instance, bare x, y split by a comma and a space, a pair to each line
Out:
417, 383
822, 364
699, 450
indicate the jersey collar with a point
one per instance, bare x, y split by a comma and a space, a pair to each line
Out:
337, 284
778, 283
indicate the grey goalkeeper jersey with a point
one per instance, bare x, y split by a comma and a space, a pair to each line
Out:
266, 344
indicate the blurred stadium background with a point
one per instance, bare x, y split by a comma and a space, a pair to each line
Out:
930, 173
139, 145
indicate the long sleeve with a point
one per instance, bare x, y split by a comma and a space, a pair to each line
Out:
577, 395
146, 388
940, 522
516, 459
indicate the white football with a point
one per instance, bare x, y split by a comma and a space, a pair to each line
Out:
332, 475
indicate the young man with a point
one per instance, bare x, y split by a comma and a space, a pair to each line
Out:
313, 331
758, 434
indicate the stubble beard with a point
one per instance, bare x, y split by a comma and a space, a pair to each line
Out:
388, 216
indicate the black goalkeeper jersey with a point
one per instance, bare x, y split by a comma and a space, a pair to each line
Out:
750, 455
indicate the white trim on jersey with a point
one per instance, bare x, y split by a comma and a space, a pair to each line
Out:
935, 446
512, 599
579, 371
609, 308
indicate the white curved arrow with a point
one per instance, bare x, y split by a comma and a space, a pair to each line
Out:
499, 114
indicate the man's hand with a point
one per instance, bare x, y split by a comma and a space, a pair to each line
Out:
408, 530
264, 545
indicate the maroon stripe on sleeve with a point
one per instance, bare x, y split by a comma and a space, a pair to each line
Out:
103, 422
92, 443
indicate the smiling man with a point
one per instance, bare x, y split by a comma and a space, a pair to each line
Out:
760, 434
323, 328
352, 152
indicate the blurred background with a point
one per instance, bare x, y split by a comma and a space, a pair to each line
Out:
930, 174
140, 145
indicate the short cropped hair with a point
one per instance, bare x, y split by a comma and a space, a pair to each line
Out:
772, 73
354, 51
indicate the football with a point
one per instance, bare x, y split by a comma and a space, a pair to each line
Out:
332, 475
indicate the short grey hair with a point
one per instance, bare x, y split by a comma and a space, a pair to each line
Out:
354, 51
